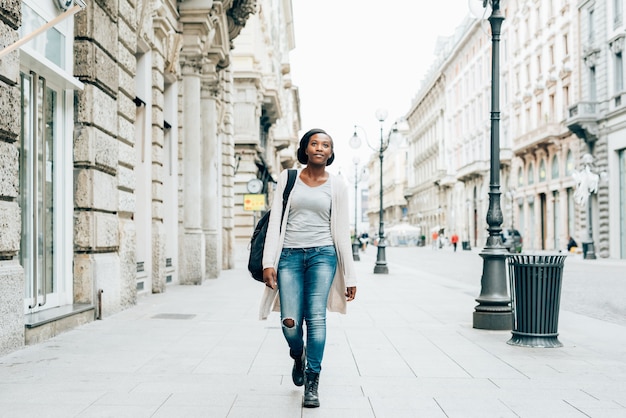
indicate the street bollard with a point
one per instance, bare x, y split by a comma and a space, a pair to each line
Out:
535, 282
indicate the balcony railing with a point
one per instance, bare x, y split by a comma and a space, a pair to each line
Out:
472, 170
618, 101
584, 110
583, 120
541, 134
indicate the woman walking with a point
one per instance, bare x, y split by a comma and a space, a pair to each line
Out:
308, 256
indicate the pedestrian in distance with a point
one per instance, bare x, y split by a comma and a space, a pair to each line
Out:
307, 261
571, 243
454, 239
364, 239
435, 240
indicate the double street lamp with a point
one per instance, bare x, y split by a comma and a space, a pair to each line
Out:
358, 176
355, 143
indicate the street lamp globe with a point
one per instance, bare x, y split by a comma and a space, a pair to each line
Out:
381, 114
355, 140
479, 9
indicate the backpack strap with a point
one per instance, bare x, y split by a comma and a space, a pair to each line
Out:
291, 181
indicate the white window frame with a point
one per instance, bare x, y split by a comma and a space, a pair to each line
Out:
63, 83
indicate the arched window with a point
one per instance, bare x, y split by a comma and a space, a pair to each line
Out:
555, 167
520, 177
531, 174
542, 170
569, 163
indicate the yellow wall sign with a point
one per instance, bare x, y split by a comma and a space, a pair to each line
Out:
254, 202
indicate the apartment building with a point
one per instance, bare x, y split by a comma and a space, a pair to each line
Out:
449, 153
540, 78
467, 72
425, 159
449, 150
267, 109
597, 117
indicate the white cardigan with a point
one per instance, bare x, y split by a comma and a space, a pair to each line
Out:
340, 231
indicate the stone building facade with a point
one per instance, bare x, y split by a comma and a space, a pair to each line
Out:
597, 117
540, 77
117, 155
394, 184
467, 103
266, 109
425, 158
540, 80
449, 140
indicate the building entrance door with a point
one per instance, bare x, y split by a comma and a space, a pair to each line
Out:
39, 178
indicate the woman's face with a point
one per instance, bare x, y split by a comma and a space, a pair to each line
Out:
320, 149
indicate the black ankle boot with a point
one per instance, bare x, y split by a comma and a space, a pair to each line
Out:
297, 373
311, 382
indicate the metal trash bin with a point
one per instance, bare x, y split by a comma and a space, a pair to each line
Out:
466, 245
535, 282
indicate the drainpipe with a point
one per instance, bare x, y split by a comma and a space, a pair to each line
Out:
100, 292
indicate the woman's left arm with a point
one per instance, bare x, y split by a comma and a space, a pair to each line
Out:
343, 237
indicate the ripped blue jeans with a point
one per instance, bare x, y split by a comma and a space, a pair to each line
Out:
304, 279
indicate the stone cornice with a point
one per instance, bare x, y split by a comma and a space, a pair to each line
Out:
198, 30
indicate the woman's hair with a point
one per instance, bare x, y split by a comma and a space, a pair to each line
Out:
304, 143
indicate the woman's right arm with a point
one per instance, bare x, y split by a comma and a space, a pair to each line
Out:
272, 237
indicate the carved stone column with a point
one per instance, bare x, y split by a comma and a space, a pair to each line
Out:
192, 250
227, 172
211, 181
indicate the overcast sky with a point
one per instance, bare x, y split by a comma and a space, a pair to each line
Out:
355, 56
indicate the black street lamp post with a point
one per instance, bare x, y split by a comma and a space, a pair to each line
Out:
381, 259
356, 244
494, 310
355, 142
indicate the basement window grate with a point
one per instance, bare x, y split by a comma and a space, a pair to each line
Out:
173, 316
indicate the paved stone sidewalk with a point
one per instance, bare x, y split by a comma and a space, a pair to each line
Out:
406, 349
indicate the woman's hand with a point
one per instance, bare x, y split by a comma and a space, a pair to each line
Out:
269, 277
350, 291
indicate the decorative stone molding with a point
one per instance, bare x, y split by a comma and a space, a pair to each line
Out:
172, 47
587, 131
238, 15
565, 71
213, 88
617, 44
591, 56
144, 17
191, 65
